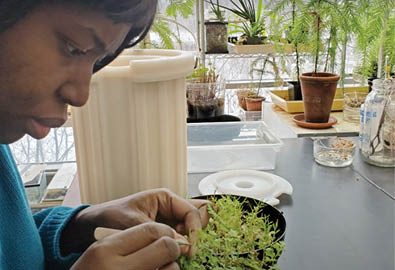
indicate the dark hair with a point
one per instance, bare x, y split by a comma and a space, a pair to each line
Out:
140, 13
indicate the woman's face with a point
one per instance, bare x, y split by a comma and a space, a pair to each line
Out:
46, 63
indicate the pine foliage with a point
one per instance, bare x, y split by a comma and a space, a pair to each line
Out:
174, 9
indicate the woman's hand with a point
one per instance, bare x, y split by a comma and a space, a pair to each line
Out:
147, 246
160, 205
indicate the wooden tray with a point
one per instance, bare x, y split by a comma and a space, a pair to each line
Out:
281, 99
252, 49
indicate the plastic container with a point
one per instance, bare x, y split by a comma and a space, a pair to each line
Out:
231, 145
250, 115
205, 100
334, 152
352, 106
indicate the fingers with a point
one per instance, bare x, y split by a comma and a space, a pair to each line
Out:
102, 232
182, 243
171, 207
138, 237
201, 205
162, 252
172, 266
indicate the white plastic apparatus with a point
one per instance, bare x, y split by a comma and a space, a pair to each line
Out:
131, 134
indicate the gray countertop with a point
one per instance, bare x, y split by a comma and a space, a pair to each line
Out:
383, 178
337, 218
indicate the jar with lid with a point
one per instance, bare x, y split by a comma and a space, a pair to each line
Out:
377, 131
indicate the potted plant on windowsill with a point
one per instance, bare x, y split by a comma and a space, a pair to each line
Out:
252, 27
242, 95
254, 102
205, 93
338, 23
216, 30
318, 88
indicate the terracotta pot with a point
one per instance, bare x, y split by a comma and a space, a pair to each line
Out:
254, 104
241, 96
318, 92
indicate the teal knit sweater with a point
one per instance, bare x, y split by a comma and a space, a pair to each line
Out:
28, 242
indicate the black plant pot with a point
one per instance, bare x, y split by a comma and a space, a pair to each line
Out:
370, 82
273, 214
219, 118
255, 40
202, 134
296, 92
216, 37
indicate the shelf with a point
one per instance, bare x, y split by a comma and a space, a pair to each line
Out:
236, 55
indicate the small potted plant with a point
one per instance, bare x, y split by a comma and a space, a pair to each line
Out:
205, 94
242, 233
242, 95
216, 30
252, 27
254, 102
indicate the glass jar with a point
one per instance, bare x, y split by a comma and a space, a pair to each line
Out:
377, 131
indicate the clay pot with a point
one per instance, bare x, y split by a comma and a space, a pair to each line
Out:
241, 96
318, 92
254, 104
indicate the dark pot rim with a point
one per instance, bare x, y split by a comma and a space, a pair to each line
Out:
215, 22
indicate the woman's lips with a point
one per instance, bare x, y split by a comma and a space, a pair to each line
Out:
39, 128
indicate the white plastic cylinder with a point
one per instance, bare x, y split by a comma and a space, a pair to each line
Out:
131, 134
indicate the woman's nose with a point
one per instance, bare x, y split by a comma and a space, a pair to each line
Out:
76, 90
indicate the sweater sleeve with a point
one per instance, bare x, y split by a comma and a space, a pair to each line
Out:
50, 224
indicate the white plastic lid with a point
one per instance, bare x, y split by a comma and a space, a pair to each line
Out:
149, 65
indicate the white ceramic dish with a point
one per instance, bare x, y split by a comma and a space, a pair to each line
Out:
250, 183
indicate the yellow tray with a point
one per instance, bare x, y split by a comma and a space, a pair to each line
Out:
281, 99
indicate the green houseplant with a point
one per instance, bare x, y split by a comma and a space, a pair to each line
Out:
250, 98
205, 93
297, 38
318, 88
241, 234
252, 27
375, 39
216, 30
327, 26
174, 9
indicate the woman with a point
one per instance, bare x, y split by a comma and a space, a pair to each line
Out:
48, 51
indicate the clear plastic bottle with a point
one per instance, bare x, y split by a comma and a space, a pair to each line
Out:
361, 125
377, 131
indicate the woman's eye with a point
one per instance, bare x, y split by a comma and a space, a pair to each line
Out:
73, 50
